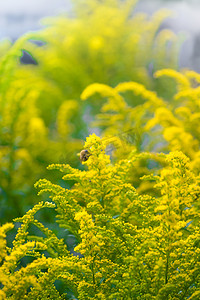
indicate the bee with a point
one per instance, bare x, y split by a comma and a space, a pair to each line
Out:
84, 155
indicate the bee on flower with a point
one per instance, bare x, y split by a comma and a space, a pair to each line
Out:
84, 155
96, 144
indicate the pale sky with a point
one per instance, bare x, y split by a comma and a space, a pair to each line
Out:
20, 16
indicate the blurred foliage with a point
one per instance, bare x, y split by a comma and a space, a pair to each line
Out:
153, 124
42, 120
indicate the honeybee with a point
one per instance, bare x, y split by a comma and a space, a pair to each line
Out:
84, 155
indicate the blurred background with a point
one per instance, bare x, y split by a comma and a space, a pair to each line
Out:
19, 17
51, 51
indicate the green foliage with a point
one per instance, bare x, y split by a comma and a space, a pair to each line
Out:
130, 246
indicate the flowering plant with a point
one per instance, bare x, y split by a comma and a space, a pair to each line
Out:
128, 246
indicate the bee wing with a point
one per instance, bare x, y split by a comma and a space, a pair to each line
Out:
123, 143
118, 140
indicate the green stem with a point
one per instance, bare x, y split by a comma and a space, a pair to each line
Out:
167, 267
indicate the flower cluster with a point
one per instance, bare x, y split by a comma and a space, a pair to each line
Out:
128, 246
